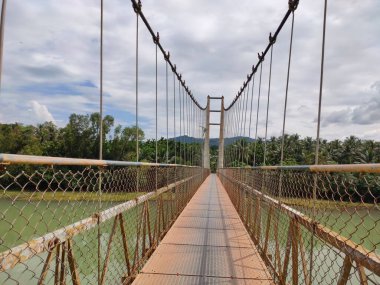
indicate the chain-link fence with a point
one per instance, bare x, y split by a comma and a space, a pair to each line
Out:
312, 225
72, 221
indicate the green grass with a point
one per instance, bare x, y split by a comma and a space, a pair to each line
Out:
324, 204
70, 196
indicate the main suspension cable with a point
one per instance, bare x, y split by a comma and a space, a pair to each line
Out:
293, 4
137, 7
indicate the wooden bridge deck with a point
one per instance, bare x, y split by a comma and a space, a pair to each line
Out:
208, 244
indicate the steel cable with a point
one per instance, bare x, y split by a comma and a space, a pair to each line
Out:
267, 116
257, 116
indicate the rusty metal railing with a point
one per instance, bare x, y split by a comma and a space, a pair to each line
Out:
76, 221
312, 224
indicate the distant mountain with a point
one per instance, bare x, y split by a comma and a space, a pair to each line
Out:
213, 141
187, 139
228, 141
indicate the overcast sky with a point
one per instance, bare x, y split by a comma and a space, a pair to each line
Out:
51, 60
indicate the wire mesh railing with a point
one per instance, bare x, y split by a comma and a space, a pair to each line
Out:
312, 224
74, 221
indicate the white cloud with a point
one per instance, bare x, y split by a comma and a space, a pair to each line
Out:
213, 43
40, 112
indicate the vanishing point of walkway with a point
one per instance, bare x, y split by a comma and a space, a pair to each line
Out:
207, 244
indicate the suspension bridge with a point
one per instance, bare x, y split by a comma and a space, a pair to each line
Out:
171, 221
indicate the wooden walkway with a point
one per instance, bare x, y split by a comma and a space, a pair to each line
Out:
207, 244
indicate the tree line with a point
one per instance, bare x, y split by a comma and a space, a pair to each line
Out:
301, 151
80, 139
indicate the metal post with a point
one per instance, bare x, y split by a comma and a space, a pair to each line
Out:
2, 24
221, 136
206, 147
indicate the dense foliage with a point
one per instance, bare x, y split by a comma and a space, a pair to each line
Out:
301, 151
80, 139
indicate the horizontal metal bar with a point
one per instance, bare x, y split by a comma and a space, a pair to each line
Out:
214, 124
369, 260
362, 168
215, 111
216, 98
49, 160
25, 251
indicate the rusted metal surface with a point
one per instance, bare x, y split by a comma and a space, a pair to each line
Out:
207, 244
294, 235
343, 168
368, 259
157, 279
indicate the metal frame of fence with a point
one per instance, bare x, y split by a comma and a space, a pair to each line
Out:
78, 221
311, 224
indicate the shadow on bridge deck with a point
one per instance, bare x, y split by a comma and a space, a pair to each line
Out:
208, 244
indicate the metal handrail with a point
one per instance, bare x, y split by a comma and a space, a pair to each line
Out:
359, 168
50, 160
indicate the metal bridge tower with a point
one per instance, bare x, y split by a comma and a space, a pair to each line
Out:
221, 135
206, 145
206, 151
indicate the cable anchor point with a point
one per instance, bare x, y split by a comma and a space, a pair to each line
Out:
261, 57
272, 39
156, 39
167, 56
137, 6
293, 4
